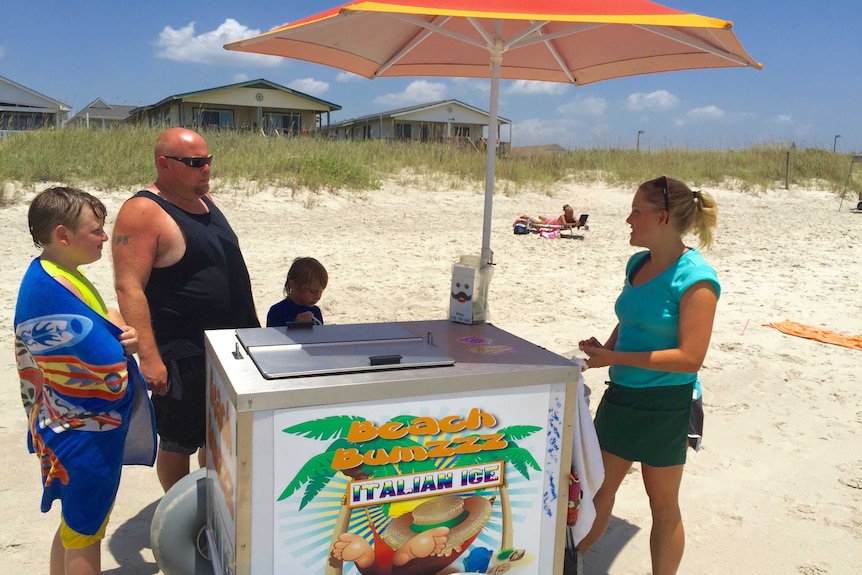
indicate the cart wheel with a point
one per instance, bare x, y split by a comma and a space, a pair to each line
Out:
178, 531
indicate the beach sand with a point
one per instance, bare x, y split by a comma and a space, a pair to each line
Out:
777, 487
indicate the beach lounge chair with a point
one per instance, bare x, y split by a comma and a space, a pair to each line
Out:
523, 225
581, 225
557, 231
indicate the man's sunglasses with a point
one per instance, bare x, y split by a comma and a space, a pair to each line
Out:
195, 161
662, 183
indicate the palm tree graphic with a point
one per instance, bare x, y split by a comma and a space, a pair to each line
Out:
318, 471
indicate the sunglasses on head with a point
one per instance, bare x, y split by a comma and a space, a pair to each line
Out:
194, 161
662, 183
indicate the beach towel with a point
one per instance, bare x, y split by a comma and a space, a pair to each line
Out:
81, 394
817, 334
552, 233
586, 460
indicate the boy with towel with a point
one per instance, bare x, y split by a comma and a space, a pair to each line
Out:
80, 385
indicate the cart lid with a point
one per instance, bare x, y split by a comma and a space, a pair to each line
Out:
308, 350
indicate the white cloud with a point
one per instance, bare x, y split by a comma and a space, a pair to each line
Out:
584, 106
309, 86
536, 131
348, 77
183, 45
531, 87
238, 78
783, 119
417, 92
652, 102
705, 113
567, 132
472, 84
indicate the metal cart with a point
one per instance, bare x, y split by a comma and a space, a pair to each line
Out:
393, 448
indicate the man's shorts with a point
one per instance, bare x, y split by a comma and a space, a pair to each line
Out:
181, 412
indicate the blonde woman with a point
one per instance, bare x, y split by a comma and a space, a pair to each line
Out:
665, 312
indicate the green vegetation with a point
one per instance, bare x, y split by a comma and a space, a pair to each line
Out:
121, 159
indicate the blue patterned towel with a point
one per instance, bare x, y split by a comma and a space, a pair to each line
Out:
82, 396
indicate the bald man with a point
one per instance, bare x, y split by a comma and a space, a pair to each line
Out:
178, 271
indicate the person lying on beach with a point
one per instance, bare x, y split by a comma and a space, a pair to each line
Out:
567, 218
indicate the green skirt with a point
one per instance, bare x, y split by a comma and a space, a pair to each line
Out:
648, 425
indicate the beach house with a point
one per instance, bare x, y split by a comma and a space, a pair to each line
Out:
444, 120
99, 115
24, 109
253, 105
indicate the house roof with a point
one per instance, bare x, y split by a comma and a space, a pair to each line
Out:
412, 109
259, 83
49, 103
98, 109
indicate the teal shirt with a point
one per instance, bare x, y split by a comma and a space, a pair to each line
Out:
649, 317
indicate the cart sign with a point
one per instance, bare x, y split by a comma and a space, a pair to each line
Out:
444, 483
221, 467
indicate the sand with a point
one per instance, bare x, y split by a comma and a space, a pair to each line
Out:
777, 487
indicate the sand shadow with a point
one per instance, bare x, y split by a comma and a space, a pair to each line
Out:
128, 542
599, 559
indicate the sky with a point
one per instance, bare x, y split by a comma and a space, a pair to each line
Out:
137, 53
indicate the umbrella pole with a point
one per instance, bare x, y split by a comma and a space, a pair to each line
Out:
491, 149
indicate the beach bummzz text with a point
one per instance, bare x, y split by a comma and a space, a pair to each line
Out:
362, 431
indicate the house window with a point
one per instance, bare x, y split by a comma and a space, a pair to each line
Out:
286, 123
208, 118
21, 121
404, 131
462, 131
366, 132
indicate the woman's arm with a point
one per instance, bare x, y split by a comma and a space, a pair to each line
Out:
696, 317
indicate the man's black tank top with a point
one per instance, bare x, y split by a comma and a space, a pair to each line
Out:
209, 288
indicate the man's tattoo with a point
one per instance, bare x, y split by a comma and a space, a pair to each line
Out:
121, 240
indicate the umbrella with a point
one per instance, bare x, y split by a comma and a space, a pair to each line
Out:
572, 41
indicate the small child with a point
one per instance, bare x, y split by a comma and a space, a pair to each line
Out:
306, 280
78, 380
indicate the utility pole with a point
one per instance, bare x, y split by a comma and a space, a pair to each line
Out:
835, 143
638, 142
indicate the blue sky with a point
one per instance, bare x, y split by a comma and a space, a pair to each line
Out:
137, 53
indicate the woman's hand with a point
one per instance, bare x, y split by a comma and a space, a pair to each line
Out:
597, 354
129, 339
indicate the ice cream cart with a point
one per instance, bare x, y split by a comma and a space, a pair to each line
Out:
384, 449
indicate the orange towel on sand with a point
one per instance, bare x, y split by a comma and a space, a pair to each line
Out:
817, 334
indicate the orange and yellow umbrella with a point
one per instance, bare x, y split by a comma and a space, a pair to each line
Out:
572, 41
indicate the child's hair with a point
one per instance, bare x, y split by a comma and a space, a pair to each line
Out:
60, 206
303, 271
690, 211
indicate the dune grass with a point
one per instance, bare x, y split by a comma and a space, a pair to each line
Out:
122, 159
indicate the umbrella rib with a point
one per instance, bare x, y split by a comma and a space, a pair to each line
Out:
489, 41
418, 39
552, 36
439, 30
677, 36
515, 42
554, 53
